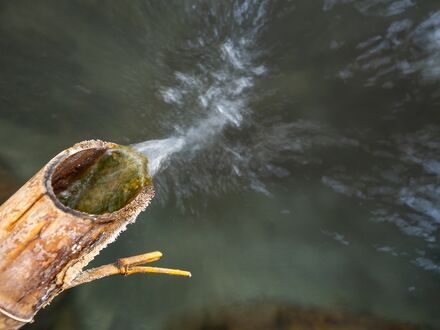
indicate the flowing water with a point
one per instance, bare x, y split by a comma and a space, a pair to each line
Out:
295, 147
214, 91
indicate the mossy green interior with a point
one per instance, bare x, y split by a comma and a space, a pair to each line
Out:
111, 182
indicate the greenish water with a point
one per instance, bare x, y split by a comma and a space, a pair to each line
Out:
115, 178
296, 147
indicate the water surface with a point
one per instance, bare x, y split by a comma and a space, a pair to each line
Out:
295, 147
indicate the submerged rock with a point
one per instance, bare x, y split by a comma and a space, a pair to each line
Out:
283, 317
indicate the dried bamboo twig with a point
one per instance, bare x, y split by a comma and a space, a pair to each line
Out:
126, 266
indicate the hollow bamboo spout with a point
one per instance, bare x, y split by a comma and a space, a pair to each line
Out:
44, 244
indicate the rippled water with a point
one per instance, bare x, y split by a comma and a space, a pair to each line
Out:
295, 147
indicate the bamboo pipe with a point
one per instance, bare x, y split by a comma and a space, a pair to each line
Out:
45, 245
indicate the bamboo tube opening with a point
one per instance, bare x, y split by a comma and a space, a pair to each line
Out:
104, 182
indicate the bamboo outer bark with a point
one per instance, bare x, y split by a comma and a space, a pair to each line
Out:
45, 245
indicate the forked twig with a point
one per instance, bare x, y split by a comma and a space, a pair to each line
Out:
126, 266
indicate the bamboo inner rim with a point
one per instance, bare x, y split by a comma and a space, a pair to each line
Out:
73, 167
100, 180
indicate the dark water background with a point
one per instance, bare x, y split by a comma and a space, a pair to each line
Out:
316, 182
